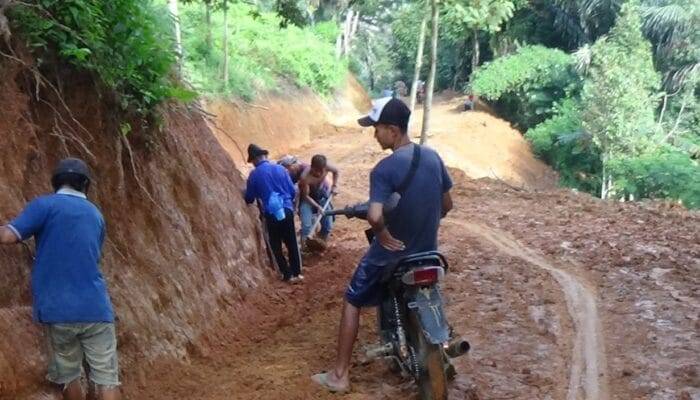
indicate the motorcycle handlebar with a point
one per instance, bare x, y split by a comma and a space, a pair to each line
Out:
360, 210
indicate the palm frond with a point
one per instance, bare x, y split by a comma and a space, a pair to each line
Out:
567, 21
582, 59
598, 15
678, 77
666, 24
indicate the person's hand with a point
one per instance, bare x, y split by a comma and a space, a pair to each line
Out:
319, 208
334, 190
389, 242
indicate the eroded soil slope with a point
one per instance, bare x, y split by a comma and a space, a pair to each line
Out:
183, 249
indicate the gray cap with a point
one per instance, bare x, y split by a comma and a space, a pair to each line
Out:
287, 160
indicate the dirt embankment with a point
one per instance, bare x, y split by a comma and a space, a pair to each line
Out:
282, 121
182, 248
483, 145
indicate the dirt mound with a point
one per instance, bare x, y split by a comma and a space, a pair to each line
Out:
280, 122
182, 248
483, 145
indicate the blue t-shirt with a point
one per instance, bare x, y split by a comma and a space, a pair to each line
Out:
267, 178
416, 218
67, 285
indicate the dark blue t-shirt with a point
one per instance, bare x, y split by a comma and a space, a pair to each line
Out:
416, 219
67, 285
267, 178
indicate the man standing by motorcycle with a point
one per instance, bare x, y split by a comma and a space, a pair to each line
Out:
410, 228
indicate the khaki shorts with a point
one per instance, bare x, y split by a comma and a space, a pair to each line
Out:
96, 342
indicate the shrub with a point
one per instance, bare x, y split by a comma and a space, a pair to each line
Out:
261, 53
561, 143
125, 42
526, 84
665, 173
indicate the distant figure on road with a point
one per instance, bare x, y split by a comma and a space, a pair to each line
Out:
469, 103
69, 292
400, 89
271, 184
420, 92
314, 193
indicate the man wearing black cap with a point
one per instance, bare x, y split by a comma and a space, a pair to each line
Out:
69, 293
410, 228
271, 184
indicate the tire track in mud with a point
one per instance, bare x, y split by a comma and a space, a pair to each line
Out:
587, 377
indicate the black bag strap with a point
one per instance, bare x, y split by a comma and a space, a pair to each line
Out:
411, 170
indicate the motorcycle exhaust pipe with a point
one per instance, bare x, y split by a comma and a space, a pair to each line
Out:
457, 347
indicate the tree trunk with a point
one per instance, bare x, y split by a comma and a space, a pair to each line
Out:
347, 30
460, 65
475, 52
370, 71
431, 78
175, 15
225, 44
353, 29
207, 7
339, 46
419, 61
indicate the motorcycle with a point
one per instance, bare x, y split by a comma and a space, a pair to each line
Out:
414, 334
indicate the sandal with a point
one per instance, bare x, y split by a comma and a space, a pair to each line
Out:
322, 379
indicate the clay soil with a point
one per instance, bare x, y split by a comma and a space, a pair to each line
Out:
561, 295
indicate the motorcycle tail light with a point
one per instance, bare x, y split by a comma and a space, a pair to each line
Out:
423, 276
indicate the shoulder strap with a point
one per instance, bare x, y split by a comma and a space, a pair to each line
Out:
415, 160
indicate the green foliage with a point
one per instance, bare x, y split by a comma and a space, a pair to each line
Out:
371, 59
405, 29
527, 83
619, 95
672, 27
530, 67
124, 42
327, 31
561, 143
462, 17
290, 12
262, 55
664, 173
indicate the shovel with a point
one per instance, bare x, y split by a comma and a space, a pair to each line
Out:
320, 217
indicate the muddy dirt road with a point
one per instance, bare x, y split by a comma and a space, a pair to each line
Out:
562, 297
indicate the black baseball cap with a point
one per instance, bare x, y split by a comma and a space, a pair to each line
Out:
255, 151
72, 166
389, 111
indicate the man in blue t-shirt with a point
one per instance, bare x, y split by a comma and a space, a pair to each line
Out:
69, 293
271, 184
412, 226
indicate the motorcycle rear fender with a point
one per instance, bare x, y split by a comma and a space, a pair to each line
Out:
426, 303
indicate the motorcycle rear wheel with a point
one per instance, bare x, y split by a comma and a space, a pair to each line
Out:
431, 379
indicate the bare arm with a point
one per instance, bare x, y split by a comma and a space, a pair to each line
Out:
305, 196
375, 217
8, 236
334, 171
446, 203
